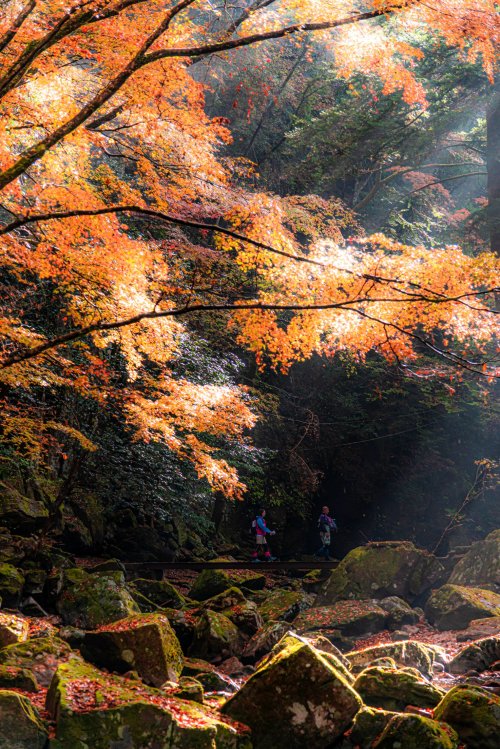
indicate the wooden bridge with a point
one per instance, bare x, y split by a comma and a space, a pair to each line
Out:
225, 565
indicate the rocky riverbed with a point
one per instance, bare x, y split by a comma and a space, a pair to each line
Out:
396, 649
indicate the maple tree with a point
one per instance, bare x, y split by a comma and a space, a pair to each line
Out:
121, 217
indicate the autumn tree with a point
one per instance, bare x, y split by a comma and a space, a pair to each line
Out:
121, 216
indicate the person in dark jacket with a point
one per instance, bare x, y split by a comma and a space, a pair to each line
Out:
261, 534
326, 525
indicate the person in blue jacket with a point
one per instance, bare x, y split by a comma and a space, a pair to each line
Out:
326, 525
261, 534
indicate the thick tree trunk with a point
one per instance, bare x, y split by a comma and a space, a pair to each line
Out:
493, 165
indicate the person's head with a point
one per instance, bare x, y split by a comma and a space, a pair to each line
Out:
325, 510
262, 512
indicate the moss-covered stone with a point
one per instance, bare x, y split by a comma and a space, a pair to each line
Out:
183, 622
211, 582
40, 655
215, 635
20, 724
478, 656
12, 677
393, 689
93, 710
263, 641
349, 617
11, 583
368, 725
18, 510
408, 653
380, 570
479, 628
416, 732
90, 601
153, 594
297, 699
480, 567
214, 681
330, 653
190, 689
454, 606
398, 612
474, 713
282, 604
144, 643
12, 629
243, 613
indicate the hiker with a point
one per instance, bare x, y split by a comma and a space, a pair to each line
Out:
326, 525
261, 533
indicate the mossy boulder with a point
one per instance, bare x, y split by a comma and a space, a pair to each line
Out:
368, 725
233, 604
478, 656
11, 584
97, 710
145, 643
297, 699
190, 688
331, 653
380, 570
19, 511
90, 601
183, 622
474, 713
395, 689
20, 724
263, 641
12, 629
12, 677
282, 604
416, 732
398, 612
480, 567
211, 582
349, 617
479, 628
215, 635
455, 606
408, 653
41, 656
151, 595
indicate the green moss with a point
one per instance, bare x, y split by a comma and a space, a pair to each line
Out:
11, 580
215, 634
407, 653
474, 713
416, 732
160, 593
90, 601
368, 725
23, 654
454, 606
12, 677
281, 604
393, 689
20, 726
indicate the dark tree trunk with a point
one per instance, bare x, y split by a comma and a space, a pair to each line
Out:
493, 165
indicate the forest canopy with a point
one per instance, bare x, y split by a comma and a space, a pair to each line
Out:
133, 228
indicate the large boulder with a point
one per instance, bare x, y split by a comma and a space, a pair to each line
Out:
283, 604
211, 582
474, 713
296, 699
368, 725
319, 644
395, 689
479, 628
97, 710
455, 606
41, 656
408, 653
408, 731
144, 643
11, 584
89, 601
478, 656
20, 724
348, 617
398, 612
480, 567
233, 604
263, 641
215, 636
381, 569
12, 629
183, 622
12, 677
154, 594
19, 511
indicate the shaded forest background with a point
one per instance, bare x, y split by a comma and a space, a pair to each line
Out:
395, 452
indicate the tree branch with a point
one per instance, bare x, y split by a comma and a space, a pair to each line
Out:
18, 22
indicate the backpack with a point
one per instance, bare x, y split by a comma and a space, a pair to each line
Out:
253, 527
